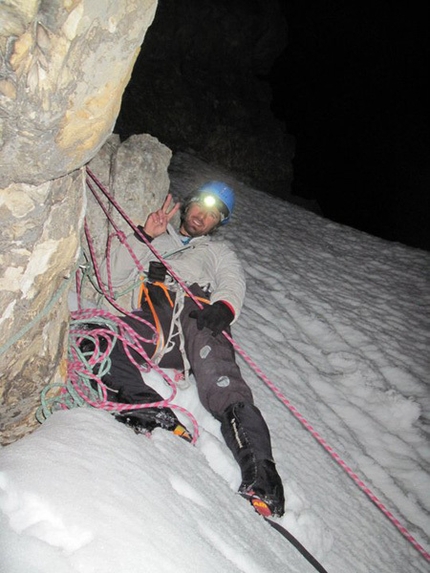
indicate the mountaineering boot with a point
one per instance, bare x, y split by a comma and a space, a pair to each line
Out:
147, 419
247, 435
266, 493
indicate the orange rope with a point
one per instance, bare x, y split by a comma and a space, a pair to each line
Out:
144, 293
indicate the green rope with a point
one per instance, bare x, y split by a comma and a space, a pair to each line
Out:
38, 316
89, 274
60, 396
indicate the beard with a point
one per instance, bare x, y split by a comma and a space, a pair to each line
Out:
190, 230
193, 227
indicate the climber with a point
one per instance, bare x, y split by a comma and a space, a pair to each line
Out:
190, 338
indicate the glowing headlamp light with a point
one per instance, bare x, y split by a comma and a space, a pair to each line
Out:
209, 201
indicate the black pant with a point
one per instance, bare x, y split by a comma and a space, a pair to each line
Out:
212, 359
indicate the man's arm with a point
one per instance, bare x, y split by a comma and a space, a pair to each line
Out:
122, 266
230, 283
228, 292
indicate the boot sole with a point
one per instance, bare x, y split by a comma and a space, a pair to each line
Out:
259, 504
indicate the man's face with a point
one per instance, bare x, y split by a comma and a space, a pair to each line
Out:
200, 220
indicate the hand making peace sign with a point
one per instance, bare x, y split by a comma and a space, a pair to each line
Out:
156, 223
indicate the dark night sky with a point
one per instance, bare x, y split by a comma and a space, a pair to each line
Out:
352, 88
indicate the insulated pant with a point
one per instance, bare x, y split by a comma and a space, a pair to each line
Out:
211, 358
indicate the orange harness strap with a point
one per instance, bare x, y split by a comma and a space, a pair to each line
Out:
201, 299
145, 296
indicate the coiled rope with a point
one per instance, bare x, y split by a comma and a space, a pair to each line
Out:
84, 385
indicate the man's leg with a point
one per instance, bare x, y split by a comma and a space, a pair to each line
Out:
125, 378
247, 435
224, 393
212, 361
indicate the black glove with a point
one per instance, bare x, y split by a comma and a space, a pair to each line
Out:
216, 317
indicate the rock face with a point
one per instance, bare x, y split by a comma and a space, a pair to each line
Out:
40, 237
64, 66
201, 83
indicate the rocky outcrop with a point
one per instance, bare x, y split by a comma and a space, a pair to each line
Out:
40, 238
64, 66
135, 176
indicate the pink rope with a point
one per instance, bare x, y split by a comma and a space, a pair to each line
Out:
359, 482
331, 451
130, 340
128, 336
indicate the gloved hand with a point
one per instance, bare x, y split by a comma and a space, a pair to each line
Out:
216, 317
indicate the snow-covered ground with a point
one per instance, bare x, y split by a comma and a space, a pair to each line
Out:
339, 323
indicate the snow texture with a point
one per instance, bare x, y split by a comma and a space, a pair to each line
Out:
338, 323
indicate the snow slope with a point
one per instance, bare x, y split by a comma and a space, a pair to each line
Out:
337, 322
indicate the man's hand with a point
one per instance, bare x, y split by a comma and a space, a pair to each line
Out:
156, 223
216, 317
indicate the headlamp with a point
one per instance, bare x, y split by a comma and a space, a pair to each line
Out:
209, 201
214, 194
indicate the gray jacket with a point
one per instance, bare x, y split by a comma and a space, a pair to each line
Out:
212, 264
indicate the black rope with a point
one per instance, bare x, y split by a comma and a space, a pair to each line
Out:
284, 532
